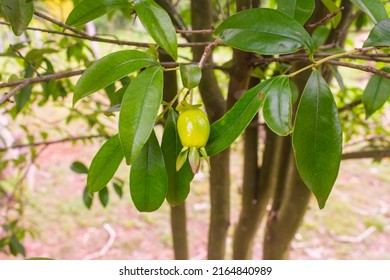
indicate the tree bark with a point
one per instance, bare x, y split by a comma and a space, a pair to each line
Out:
215, 104
179, 231
292, 197
178, 213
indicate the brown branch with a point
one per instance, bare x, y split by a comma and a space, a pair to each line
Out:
14, 91
364, 68
52, 142
211, 30
85, 36
56, 76
25, 59
207, 51
60, 24
350, 105
367, 154
22, 84
325, 19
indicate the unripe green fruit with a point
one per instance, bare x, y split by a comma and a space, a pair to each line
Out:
194, 128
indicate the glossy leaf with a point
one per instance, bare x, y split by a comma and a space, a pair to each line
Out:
300, 10
264, 31
104, 164
148, 177
139, 109
104, 196
377, 92
373, 8
379, 35
87, 198
227, 129
317, 138
88, 10
158, 24
22, 98
19, 14
332, 7
277, 107
178, 181
79, 167
190, 75
109, 69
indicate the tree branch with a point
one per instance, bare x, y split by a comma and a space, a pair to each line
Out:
25, 59
85, 36
350, 105
364, 68
207, 51
325, 19
22, 84
52, 142
60, 24
367, 154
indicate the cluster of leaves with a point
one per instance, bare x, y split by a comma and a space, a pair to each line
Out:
316, 129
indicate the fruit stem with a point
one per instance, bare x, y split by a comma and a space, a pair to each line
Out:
170, 104
331, 57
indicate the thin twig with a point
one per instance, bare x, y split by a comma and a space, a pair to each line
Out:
350, 105
201, 31
60, 24
25, 59
207, 51
14, 91
364, 68
82, 35
22, 84
367, 154
325, 19
53, 142
46, 78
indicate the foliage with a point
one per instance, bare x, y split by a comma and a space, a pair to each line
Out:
133, 83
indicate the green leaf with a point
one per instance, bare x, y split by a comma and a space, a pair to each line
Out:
79, 167
377, 92
19, 14
332, 7
300, 10
24, 96
379, 35
16, 247
104, 164
109, 69
227, 129
264, 31
277, 107
104, 196
317, 138
178, 181
118, 189
87, 198
88, 10
373, 8
148, 177
190, 75
139, 110
158, 24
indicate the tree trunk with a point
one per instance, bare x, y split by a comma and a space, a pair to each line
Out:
179, 231
178, 213
292, 196
215, 106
